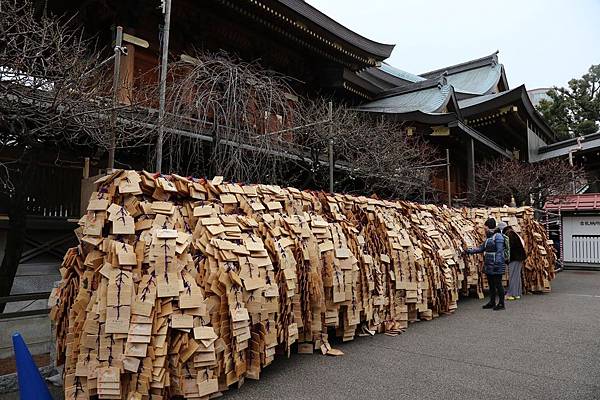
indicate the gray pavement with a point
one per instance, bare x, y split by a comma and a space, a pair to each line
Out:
541, 347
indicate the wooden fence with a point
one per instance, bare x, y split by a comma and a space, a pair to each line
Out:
52, 191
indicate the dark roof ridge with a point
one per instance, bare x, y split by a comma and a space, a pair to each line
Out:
491, 59
380, 79
414, 87
569, 142
370, 46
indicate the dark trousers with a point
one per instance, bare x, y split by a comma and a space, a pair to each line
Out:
496, 289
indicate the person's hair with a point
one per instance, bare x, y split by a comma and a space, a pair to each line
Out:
490, 223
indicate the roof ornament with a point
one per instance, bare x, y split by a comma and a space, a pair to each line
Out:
443, 79
495, 58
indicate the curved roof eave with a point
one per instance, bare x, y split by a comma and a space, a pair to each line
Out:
363, 81
380, 50
379, 78
505, 98
419, 116
451, 99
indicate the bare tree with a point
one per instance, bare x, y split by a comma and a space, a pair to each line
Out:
372, 155
497, 181
237, 119
55, 93
237, 113
55, 85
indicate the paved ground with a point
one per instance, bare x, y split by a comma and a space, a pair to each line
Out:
542, 347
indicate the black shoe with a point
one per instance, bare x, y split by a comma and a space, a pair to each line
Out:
489, 305
499, 307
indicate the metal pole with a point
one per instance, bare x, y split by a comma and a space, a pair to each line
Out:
116, 87
561, 238
164, 60
330, 147
448, 177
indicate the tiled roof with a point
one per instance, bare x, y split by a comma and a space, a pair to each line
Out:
476, 81
381, 50
424, 97
476, 77
492, 59
581, 202
472, 78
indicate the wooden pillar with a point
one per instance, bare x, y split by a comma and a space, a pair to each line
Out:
471, 165
331, 159
127, 75
86, 167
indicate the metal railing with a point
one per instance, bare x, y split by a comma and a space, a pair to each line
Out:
24, 297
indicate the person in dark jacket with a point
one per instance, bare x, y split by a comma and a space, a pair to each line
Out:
515, 266
493, 262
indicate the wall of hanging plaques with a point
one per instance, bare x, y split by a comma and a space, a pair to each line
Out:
183, 287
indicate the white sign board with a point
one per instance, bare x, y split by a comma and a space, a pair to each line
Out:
581, 238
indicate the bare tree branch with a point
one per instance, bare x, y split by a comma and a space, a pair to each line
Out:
239, 105
376, 152
530, 184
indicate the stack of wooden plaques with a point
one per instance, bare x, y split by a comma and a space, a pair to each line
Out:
539, 266
182, 287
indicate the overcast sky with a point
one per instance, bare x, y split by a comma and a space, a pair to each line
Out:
542, 42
